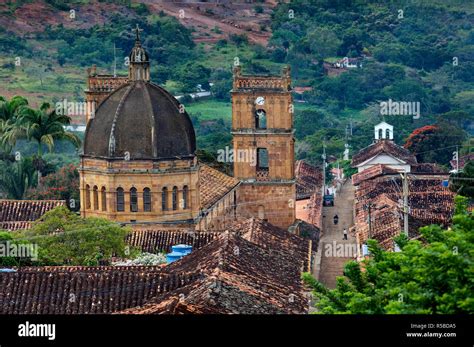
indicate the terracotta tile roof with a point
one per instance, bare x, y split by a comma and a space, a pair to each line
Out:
429, 203
309, 179
213, 185
154, 241
253, 269
26, 210
309, 231
270, 237
84, 290
428, 168
13, 226
372, 172
237, 277
383, 146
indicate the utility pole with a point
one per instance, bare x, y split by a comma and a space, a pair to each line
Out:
351, 125
368, 207
405, 202
457, 159
324, 167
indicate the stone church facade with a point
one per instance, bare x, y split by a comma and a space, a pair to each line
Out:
262, 123
139, 165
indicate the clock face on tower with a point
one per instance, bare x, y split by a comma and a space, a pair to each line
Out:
260, 100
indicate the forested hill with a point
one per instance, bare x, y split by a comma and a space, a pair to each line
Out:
413, 50
409, 51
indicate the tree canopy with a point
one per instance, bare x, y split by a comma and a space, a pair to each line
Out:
64, 238
433, 275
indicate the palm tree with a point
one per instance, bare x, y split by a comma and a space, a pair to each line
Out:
44, 126
10, 112
17, 177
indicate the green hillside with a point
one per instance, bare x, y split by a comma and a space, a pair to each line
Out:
416, 51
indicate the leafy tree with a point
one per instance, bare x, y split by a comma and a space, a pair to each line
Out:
64, 238
147, 259
60, 185
6, 240
465, 101
425, 142
192, 74
430, 276
346, 166
221, 89
460, 119
17, 177
463, 182
278, 55
239, 40
323, 42
258, 9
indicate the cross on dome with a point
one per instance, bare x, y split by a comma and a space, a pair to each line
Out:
137, 33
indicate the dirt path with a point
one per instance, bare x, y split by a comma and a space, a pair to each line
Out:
336, 251
194, 18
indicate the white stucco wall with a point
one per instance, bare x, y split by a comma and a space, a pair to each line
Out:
386, 160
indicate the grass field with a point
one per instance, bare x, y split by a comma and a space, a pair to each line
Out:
210, 109
214, 109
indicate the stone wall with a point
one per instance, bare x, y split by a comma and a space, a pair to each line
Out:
139, 174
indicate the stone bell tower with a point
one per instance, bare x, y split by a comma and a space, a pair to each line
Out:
262, 129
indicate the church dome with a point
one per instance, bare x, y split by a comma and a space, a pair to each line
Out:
139, 120
142, 120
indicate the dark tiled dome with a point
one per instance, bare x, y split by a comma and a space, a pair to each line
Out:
142, 119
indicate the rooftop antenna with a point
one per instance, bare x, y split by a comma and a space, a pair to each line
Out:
115, 63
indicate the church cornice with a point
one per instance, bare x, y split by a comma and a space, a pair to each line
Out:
250, 131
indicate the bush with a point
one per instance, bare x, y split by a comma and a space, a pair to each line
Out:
258, 9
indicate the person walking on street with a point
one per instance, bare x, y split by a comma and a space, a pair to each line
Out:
345, 234
336, 219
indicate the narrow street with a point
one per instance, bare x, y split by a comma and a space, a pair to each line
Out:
336, 251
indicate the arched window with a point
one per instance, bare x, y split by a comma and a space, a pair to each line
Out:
133, 200
261, 212
103, 197
164, 199
387, 133
120, 200
88, 197
146, 200
175, 198
380, 134
260, 119
95, 194
185, 197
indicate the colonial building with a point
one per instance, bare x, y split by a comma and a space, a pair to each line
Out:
138, 162
379, 209
384, 151
262, 123
139, 165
